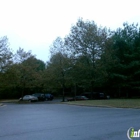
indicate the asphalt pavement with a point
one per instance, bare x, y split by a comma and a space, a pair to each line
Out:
48, 121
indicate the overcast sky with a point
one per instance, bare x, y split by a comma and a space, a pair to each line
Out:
34, 24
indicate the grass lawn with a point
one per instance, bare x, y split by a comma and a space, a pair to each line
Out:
9, 101
119, 103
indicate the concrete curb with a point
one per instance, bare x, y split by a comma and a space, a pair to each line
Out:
103, 106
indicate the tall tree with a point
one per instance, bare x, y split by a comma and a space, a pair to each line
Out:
21, 55
5, 61
29, 71
86, 41
59, 65
5, 54
126, 47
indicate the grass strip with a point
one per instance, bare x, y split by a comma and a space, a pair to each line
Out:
118, 103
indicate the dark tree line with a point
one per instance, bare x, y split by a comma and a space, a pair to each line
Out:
88, 59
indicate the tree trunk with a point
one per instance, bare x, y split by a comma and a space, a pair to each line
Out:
63, 100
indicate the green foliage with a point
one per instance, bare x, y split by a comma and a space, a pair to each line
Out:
89, 58
126, 44
5, 62
5, 55
87, 42
99, 58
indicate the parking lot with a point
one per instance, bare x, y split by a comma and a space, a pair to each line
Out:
55, 121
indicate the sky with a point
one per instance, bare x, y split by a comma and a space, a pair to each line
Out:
35, 24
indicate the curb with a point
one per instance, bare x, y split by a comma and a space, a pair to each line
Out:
103, 106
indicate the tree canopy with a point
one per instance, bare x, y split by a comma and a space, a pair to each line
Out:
90, 58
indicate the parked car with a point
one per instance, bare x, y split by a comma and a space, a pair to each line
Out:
40, 96
49, 96
77, 98
96, 95
29, 98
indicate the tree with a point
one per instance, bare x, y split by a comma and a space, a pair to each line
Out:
58, 66
126, 47
5, 61
29, 71
21, 55
86, 42
5, 55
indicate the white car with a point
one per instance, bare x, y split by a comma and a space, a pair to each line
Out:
29, 98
